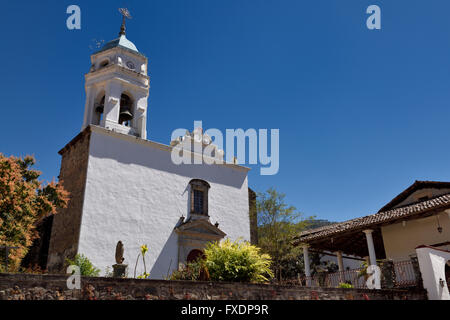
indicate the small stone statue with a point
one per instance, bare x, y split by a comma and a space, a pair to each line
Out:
119, 269
119, 253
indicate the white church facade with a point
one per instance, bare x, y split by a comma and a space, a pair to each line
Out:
126, 188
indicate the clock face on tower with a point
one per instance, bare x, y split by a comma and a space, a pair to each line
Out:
130, 65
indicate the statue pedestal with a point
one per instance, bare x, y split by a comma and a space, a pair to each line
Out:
119, 270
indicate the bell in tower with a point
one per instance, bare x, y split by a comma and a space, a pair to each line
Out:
117, 87
125, 115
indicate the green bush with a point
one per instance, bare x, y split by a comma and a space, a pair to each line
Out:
344, 285
237, 261
86, 266
190, 271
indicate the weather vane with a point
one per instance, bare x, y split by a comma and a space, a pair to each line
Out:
125, 15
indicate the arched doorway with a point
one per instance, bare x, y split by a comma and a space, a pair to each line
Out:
194, 255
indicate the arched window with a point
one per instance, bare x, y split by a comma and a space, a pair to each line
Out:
199, 196
126, 107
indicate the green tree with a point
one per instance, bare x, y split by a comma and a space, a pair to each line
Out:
23, 202
278, 223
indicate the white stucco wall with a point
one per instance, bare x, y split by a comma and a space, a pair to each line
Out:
134, 193
400, 241
432, 267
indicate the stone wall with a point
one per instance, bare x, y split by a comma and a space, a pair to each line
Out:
65, 229
53, 287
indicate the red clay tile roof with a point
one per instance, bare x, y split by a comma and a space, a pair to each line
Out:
411, 189
375, 219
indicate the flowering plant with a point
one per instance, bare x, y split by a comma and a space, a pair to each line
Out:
144, 250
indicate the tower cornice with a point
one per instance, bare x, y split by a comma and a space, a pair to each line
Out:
120, 73
137, 54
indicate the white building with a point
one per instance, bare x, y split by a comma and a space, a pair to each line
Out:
417, 218
126, 188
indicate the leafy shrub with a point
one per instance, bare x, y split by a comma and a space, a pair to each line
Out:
237, 261
191, 271
344, 285
35, 269
86, 266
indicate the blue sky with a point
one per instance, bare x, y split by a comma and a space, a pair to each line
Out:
361, 113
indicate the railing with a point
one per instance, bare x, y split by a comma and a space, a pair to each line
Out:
403, 275
333, 280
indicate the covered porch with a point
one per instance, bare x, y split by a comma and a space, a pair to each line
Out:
363, 238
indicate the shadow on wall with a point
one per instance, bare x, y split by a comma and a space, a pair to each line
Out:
432, 263
167, 261
104, 146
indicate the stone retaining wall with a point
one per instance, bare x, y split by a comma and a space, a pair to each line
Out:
54, 287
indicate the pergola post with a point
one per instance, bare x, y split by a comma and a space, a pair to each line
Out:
307, 265
371, 247
340, 262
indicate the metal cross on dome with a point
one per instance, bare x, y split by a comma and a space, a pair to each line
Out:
125, 15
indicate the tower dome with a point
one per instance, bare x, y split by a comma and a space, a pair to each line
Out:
121, 42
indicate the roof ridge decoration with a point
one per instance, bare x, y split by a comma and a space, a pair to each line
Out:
197, 136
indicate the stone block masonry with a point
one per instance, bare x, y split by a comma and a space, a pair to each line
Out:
53, 287
65, 230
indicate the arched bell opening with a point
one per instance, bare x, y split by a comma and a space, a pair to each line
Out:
99, 108
126, 107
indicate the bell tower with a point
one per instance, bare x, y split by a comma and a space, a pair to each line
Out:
117, 87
